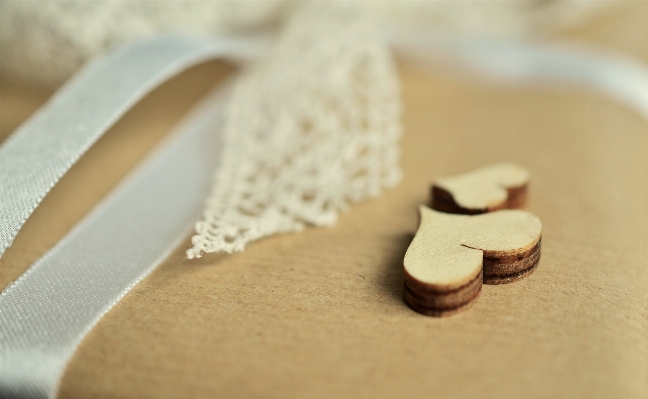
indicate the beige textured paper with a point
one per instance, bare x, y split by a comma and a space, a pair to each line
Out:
321, 314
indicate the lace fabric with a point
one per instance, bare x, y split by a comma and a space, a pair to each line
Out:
310, 129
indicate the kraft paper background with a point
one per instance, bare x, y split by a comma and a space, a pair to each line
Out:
321, 314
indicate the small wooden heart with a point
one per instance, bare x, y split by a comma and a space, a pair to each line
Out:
494, 187
451, 255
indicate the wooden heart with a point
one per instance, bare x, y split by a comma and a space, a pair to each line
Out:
451, 255
491, 188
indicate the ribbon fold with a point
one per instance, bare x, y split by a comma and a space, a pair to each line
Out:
39, 153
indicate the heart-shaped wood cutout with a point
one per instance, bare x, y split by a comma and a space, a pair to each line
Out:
451, 255
494, 187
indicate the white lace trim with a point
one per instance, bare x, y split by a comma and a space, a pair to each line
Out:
310, 129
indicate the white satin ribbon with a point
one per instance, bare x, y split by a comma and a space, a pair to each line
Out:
41, 151
45, 314
622, 78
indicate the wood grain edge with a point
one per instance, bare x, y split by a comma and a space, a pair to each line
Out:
443, 201
508, 269
438, 301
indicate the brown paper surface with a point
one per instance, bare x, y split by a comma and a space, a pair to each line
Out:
321, 314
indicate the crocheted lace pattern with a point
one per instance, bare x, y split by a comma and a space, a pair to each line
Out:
310, 129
